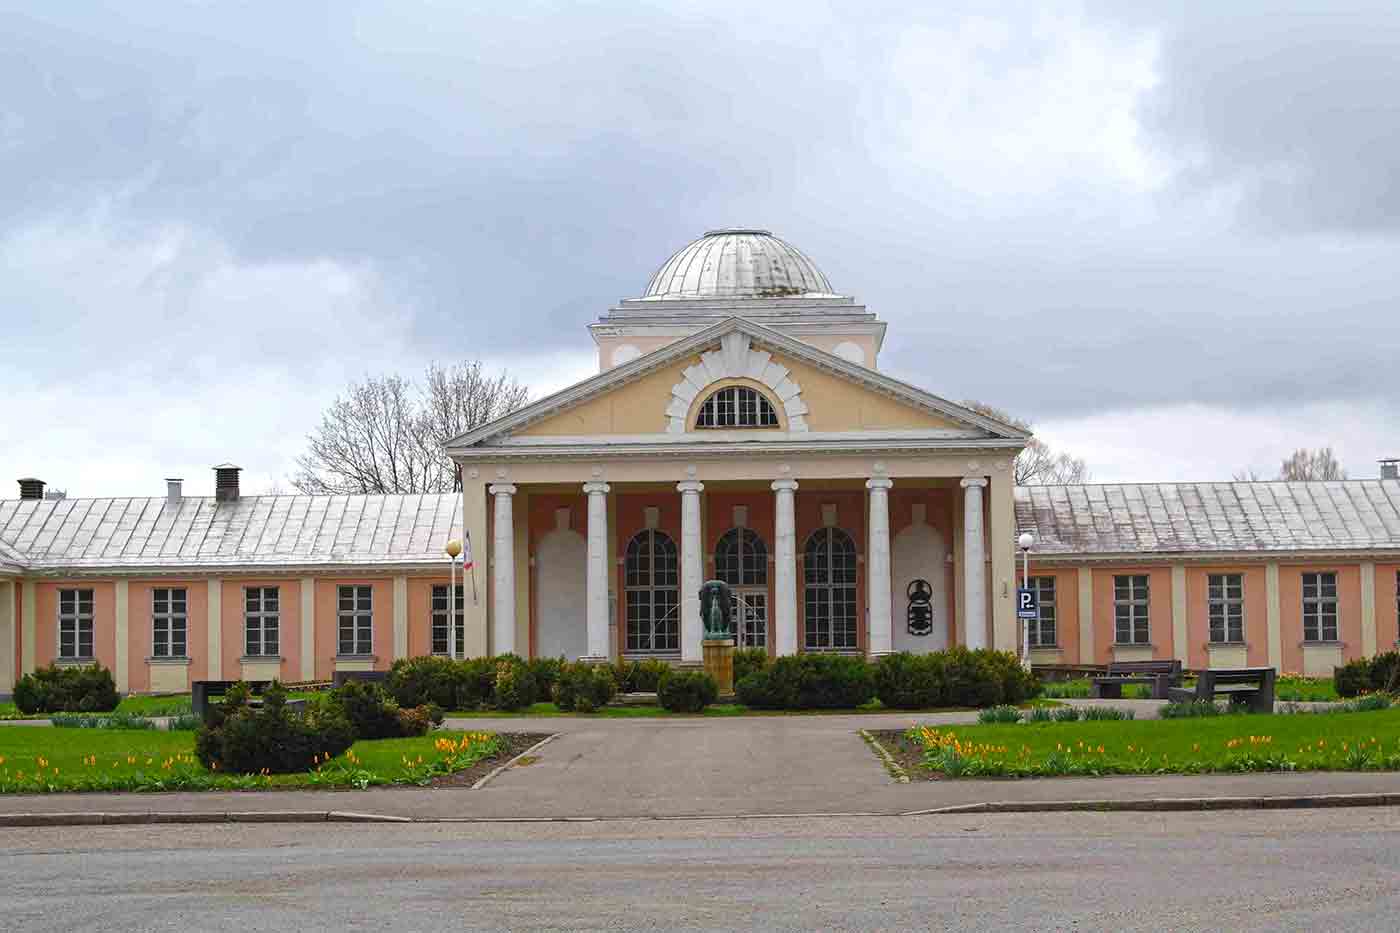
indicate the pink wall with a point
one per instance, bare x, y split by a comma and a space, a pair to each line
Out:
1256, 613
232, 639
1291, 610
327, 625
104, 621
1159, 610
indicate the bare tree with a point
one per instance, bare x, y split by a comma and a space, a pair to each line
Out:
1037, 465
1247, 475
1306, 464
386, 434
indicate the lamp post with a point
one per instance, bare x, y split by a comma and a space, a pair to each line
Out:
1025, 542
453, 549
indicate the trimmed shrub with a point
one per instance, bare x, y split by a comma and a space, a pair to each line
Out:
639, 676
584, 688
1351, 679
272, 739
415, 681
809, 681
1385, 672
465, 685
970, 679
910, 681
749, 660
545, 673
513, 687
1017, 684
373, 714
686, 691
55, 689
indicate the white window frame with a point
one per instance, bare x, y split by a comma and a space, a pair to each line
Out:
1219, 606
267, 620
1138, 604
1318, 606
1038, 626
78, 620
164, 622
438, 610
732, 407
359, 618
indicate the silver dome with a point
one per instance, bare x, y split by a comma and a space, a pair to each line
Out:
737, 264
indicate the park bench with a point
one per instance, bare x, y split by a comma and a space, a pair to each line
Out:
1159, 675
1245, 686
340, 678
202, 691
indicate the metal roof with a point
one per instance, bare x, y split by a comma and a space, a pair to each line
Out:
1158, 518
737, 263
272, 531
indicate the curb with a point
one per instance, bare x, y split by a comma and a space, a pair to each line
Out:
1157, 804
895, 769
529, 751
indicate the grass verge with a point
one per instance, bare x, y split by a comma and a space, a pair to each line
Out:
1362, 741
55, 760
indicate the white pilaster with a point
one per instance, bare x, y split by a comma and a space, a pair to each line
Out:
1180, 635
307, 591
1273, 615
785, 567
215, 633
1368, 609
692, 569
28, 623
7, 637
596, 600
121, 592
877, 566
503, 570
974, 563
400, 617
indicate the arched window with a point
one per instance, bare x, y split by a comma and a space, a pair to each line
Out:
653, 605
737, 407
741, 560
829, 604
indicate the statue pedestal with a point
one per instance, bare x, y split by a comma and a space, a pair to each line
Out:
719, 663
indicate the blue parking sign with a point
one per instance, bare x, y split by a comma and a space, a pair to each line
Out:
1027, 604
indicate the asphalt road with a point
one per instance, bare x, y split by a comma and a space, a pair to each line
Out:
1287, 870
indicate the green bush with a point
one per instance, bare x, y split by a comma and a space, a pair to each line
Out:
639, 676
970, 679
1017, 684
416, 681
584, 688
686, 691
1091, 713
374, 714
910, 681
545, 673
239, 739
513, 687
464, 685
1385, 672
55, 689
809, 681
1353, 678
749, 660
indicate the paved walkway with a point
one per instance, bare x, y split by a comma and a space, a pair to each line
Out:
758, 765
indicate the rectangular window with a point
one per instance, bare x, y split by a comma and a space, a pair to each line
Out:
75, 625
261, 622
440, 641
1320, 606
1042, 631
168, 623
1130, 600
356, 615
1225, 598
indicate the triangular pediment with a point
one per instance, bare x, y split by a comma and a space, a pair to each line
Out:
816, 394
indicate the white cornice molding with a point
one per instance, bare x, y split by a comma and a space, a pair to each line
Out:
1222, 558
696, 343
59, 570
687, 446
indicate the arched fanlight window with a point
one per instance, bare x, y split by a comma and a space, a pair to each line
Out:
741, 560
653, 604
737, 407
829, 604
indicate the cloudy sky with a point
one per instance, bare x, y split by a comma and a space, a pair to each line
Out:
1170, 238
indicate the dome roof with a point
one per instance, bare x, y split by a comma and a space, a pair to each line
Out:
737, 264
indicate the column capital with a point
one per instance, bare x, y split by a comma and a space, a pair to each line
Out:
783, 485
690, 486
501, 489
977, 482
596, 488
879, 482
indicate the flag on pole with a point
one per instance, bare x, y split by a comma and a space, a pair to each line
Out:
467, 552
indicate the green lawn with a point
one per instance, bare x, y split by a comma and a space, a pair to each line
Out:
1302, 742
40, 760
175, 704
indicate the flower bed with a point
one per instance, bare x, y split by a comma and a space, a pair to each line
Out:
1351, 741
51, 760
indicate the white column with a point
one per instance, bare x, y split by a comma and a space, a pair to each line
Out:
877, 568
503, 570
596, 601
785, 567
692, 569
974, 563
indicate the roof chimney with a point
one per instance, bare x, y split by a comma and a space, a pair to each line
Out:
174, 490
31, 488
1390, 468
226, 482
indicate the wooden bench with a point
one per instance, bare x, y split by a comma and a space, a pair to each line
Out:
1159, 675
1245, 686
340, 678
202, 691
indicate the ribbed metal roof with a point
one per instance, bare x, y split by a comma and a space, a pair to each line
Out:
253, 531
1147, 518
737, 264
